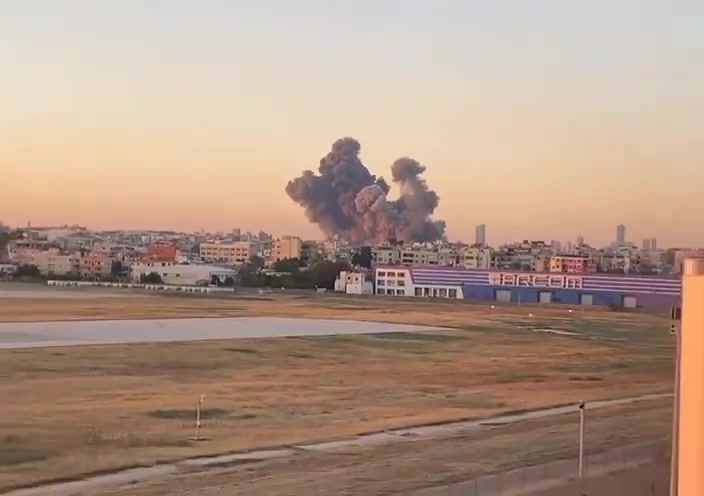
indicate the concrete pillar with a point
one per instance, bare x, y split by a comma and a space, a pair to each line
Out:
691, 412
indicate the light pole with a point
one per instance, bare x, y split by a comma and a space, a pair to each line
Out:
582, 407
198, 423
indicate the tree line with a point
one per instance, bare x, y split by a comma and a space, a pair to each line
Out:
291, 273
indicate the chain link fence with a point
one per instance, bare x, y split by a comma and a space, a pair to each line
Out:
539, 478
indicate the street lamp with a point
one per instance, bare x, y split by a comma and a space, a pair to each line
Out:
582, 407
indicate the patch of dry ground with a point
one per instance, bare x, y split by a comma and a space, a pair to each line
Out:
410, 465
73, 411
384, 309
648, 480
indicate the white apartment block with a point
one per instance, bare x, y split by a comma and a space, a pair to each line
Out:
236, 252
358, 283
476, 257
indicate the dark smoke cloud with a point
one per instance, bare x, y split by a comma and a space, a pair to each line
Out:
346, 199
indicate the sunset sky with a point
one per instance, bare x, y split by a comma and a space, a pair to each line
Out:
541, 119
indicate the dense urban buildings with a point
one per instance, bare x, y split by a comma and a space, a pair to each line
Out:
614, 275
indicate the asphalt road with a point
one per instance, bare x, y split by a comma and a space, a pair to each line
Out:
49, 334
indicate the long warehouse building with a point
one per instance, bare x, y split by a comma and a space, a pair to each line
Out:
588, 288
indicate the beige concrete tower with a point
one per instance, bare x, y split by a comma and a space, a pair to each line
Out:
691, 412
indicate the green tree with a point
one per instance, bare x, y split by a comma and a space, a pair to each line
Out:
323, 274
116, 268
255, 262
151, 278
28, 271
290, 265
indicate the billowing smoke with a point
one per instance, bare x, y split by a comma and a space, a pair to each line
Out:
346, 199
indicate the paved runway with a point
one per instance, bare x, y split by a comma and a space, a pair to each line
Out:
45, 334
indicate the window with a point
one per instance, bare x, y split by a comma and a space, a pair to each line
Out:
380, 291
419, 291
443, 292
380, 282
452, 293
401, 283
382, 273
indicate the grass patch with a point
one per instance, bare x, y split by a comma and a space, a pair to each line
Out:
18, 456
247, 351
511, 376
587, 378
188, 414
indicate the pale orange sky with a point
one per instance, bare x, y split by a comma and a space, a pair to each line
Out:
184, 119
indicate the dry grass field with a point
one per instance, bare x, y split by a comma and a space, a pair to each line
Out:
412, 466
73, 411
648, 480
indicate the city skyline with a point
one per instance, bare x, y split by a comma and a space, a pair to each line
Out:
541, 122
481, 236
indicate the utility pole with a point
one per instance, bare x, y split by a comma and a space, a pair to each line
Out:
199, 406
582, 407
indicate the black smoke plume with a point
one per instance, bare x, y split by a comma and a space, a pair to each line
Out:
347, 200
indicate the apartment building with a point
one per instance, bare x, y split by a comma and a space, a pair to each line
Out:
23, 251
235, 252
286, 247
569, 263
386, 255
54, 263
311, 250
476, 257
162, 252
95, 265
618, 262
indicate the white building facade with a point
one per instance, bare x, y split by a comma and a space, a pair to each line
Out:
357, 283
181, 274
397, 281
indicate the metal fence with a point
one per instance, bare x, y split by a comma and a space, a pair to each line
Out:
559, 478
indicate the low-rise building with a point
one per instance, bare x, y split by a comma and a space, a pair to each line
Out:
182, 274
235, 252
286, 247
569, 263
53, 263
589, 288
95, 265
358, 282
162, 252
